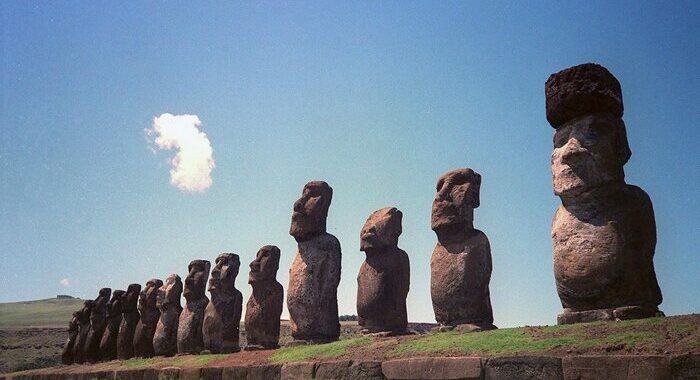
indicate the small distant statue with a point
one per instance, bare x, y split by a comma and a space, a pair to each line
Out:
384, 278
189, 329
73, 326
130, 318
460, 268
264, 307
83, 332
222, 317
108, 344
312, 297
168, 302
98, 323
146, 327
604, 232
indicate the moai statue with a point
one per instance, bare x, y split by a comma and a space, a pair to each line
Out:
189, 328
108, 344
67, 355
460, 268
130, 318
264, 308
98, 323
384, 278
146, 327
604, 232
222, 318
83, 332
168, 302
315, 273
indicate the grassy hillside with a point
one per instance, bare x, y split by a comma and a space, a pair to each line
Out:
48, 312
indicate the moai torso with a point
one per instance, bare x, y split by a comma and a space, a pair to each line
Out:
146, 327
108, 344
83, 331
189, 329
264, 307
130, 318
604, 234
384, 277
98, 323
315, 272
168, 302
67, 355
222, 317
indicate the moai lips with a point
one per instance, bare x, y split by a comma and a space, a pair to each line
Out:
264, 307
222, 317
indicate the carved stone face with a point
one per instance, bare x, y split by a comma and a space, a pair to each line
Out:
169, 293
86, 311
114, 307
224, 274
457, 197
147, 297
265, 265
130, 298
196, 280
588, 153
311, 210
382, 229
102, 300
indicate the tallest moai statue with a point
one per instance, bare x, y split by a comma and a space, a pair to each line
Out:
604, 232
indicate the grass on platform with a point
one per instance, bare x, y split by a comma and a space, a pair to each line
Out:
317, 351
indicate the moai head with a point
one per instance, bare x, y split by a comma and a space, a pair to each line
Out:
265, 265
130, 298
382, 229
147, 297
114, 307
170, 292
584, 105
311, 210
102, 299
457, 197
196, 280
224, 274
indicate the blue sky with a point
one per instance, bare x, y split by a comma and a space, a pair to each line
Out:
376, 98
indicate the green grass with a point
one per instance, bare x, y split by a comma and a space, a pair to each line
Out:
186, 361
317, 351
680, 327
49, 312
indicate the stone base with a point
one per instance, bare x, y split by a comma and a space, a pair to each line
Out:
257, 347
618, 314
387, 333
301, 342
465, 327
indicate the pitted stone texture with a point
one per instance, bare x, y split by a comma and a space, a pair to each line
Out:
168, 302
189, 330
130, 374
146, 328
234, 373
130, 318
83, 332
458, 368
264, 307
265, 372
73, 326
524, 368
108, 343
300, 370
384, 277
616, 367
568, 317
366, 370
333, 370
582, 90
169, 373
685, 367
98, 324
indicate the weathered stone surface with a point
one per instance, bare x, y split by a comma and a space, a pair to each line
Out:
130, 374
150, 314
568, 317
98, 324
384, 277
333, 370
365, 370
190, 373
685, 367
264, 307
130, 318
168, 302
315, 272
222, 317
265, 372
108, 343
169, 373
73, 326
299, 370
523, 368
459, 368
616, 367
582, 90
234, 373
604, 233
83, 332
460, 268
99, 375
211, 373
189, 330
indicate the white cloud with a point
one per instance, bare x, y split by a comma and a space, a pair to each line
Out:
190, 169
66, 282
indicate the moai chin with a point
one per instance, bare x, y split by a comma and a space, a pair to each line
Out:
67, 354
604, 232
98, 323
222, 317
189, 328
130, 318
460, 268
146, 328
264, 307
384, 278
108, 344
315, 272
168, 302
83, 332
